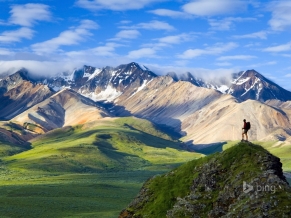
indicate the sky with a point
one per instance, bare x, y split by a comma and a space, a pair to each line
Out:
208, 38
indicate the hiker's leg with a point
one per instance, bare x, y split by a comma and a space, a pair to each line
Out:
247, 138
242, 136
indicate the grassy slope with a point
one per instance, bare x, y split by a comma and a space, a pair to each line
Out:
111, 147
281, 150
164, 190
86, 172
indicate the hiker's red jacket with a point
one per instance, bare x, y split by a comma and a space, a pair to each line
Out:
245, 125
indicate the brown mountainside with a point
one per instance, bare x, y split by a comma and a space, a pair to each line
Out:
64, 108
204, 115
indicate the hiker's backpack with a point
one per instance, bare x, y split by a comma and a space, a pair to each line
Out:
248, 126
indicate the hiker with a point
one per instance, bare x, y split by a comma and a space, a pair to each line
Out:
245, 129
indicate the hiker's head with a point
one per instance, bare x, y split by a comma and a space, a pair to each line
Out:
244, 120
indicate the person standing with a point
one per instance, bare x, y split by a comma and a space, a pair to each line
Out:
245, 129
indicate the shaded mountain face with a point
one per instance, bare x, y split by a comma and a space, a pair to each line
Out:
18, 92
243, 181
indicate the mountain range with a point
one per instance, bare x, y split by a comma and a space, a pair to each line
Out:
81, 143
203, 112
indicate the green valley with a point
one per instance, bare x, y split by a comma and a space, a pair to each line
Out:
90, 170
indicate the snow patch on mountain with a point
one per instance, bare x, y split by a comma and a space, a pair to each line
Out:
109, 94
247, 90
235, 81
96, 72
145, 83
223, 89
242, 81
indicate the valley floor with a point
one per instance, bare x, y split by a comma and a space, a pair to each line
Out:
69, 195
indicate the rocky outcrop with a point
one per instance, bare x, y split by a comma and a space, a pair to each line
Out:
243, 181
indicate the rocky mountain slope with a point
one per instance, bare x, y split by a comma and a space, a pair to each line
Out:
18, 92
204, 112
65, 108
203, 115
243, 181
103, 84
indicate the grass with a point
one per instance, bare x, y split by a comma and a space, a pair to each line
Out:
77, 195
279, 149
119, 147
96, 171
162, 191
86, 172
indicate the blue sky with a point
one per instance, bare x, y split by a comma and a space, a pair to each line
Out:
209, 38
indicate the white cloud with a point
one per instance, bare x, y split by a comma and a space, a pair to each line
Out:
288, 75
116, 5
281, 16
175, 39
236, 57
142, 53
153, 25
227, 23
107, 50
28, 14
214, 7
279, 48
127, 34
38, 67
170, 13
6, 52
207, 74
16, 35
214, 50
167, 41
260, 35
69, 37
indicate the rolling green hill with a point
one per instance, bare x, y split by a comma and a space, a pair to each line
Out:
121, 144
90, 170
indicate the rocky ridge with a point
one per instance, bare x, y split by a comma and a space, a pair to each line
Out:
243, 181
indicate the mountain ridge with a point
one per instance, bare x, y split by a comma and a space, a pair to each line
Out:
195, 111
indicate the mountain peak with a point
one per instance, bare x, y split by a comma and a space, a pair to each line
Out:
252, 85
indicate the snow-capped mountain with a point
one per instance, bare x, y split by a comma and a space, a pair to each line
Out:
193, 107
103, 84
243, 85
252, 85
